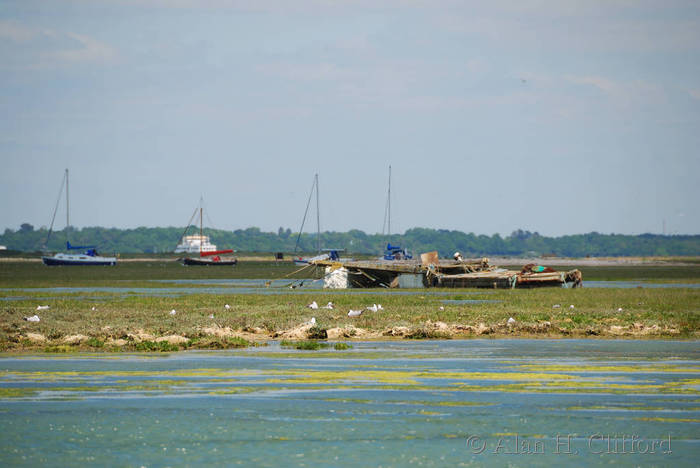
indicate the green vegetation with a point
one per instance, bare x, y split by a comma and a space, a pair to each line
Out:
304, 345
163, 240
139, 319
423, 334
341, 346
162, 346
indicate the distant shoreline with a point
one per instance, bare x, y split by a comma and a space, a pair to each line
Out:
496, 260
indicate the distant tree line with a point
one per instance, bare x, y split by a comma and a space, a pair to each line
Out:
446, 242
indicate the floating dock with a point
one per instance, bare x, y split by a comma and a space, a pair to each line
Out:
441, 273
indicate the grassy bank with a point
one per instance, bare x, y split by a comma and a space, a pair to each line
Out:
142, 321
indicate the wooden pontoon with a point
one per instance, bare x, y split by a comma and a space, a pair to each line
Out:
433, 272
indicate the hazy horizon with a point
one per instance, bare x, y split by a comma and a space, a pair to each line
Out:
553, 117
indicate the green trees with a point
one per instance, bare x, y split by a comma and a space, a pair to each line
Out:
418, 239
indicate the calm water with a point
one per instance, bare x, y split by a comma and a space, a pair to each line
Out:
447, 403
258, 286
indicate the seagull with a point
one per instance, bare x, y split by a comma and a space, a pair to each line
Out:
556, 306
42, 307
372, 308
511, 321
227, 307
619, 309
94, 308
328, 306
33, 318
313, 305
379, 307
441, 308
172, 312
354, 313
312, 321
571, 306
211, 316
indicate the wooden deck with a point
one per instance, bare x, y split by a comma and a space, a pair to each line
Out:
448, 274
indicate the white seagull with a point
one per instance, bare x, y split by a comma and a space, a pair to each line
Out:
33, 318
354, 313
42, 307
313, 305
172, 312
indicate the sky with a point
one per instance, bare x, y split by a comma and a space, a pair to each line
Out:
548, 116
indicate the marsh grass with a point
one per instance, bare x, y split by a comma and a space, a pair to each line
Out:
304, 345
116, 315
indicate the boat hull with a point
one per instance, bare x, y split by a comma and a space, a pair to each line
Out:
90, 261
208, 262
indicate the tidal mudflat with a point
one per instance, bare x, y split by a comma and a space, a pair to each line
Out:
429, 403
119, 308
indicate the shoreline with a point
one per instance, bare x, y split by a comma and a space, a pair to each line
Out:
217, 337
496, 260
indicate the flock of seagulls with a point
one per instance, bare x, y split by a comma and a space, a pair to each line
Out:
313, 306
352, 313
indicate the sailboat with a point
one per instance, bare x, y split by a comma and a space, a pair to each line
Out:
208, 255
331, 254
89, 256
392, 252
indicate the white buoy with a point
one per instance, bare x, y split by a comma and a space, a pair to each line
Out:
33, 318
313, 305
354, 313
42, 307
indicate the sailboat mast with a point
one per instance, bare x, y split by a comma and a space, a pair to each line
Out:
67, 205
201, 235
388, 202
318, 220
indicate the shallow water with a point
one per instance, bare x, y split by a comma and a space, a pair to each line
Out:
258, 286
430, 403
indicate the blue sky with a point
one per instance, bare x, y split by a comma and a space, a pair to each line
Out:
550, 116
